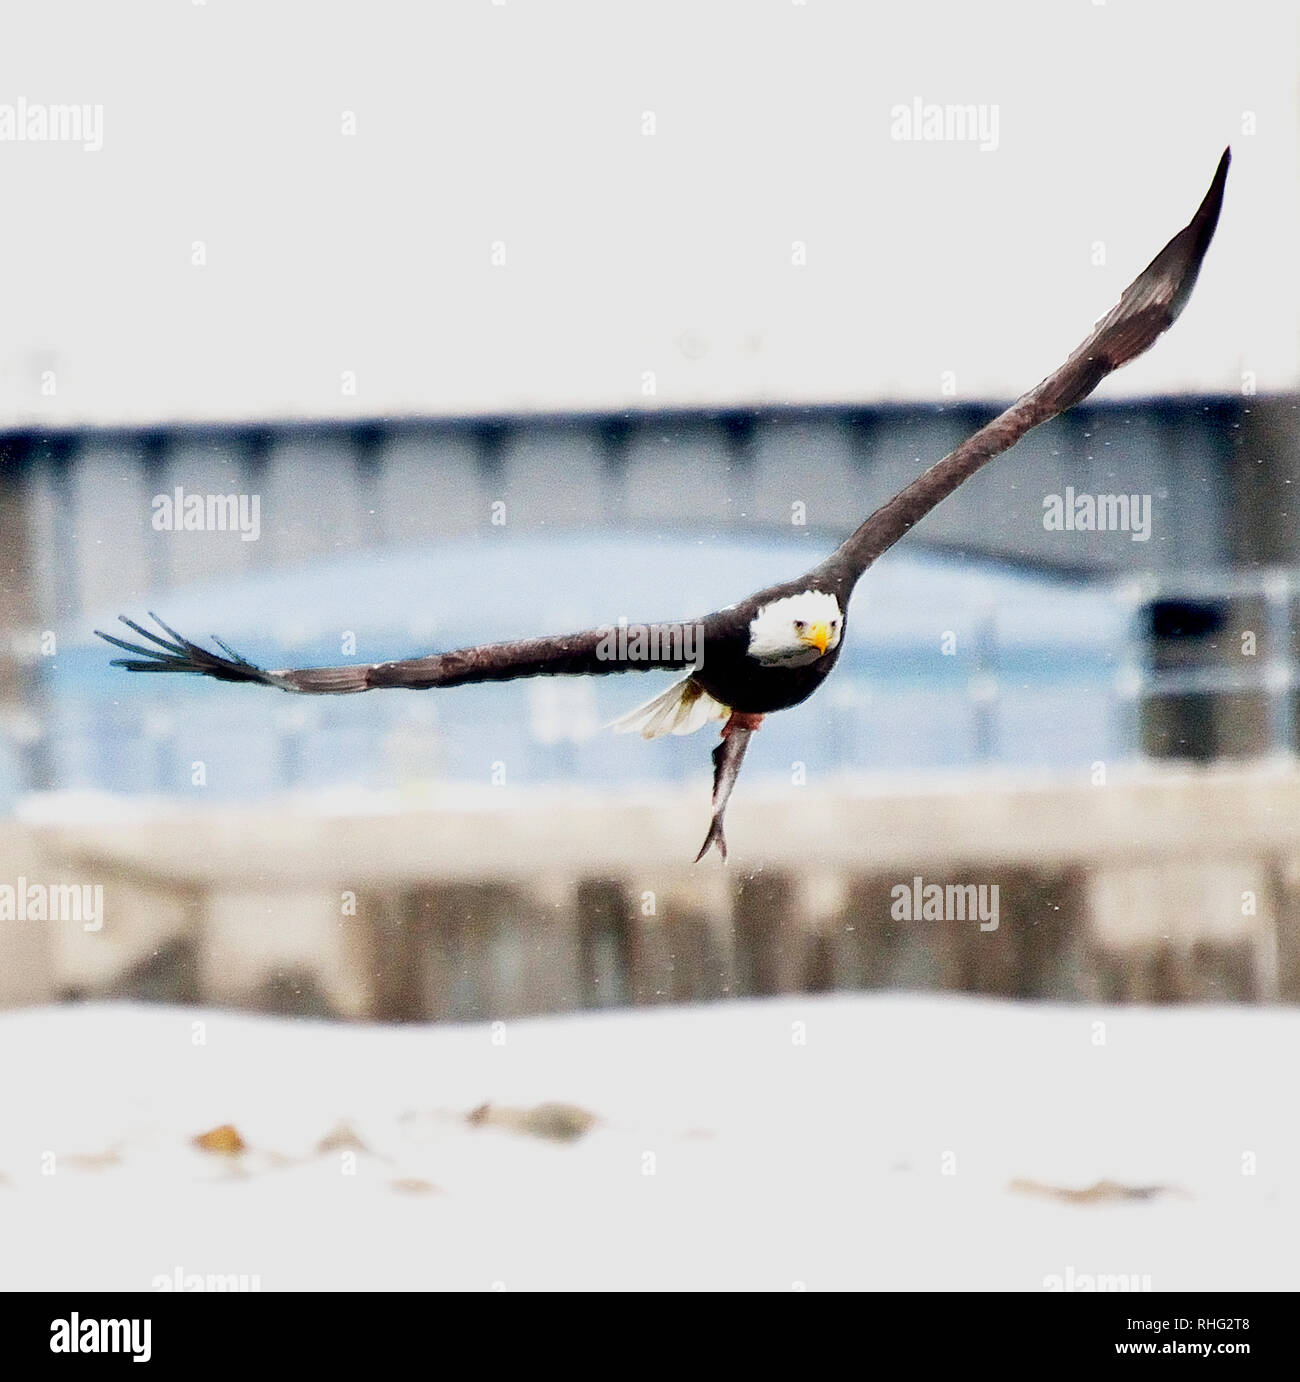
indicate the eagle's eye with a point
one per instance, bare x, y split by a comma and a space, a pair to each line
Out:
800, 625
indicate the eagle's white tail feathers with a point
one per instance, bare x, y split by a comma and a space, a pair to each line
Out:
682, 709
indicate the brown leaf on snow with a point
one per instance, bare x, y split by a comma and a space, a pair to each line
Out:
413, 1185
222, 1141
92, 1161
343, 1137
1101, 1192
554, 1121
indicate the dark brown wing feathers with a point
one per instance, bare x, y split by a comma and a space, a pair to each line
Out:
1147, 307
591, 653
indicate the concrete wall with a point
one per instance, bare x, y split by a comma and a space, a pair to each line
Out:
1167, 885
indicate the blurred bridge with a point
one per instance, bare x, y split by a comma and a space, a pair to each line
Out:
79, 543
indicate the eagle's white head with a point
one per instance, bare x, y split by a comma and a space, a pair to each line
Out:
796, 630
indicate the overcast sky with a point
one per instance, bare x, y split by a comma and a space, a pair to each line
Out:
648, 173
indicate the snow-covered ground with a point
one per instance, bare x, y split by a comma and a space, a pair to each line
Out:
833, 1142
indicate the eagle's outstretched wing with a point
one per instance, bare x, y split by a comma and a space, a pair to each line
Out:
596, 651
1148, 306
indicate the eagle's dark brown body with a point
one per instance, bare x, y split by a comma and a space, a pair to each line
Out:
731, 676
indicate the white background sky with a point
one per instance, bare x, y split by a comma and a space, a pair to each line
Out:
479, 122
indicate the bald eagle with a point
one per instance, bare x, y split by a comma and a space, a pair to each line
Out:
773, 649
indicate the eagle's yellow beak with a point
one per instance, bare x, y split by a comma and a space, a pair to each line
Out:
817, 636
